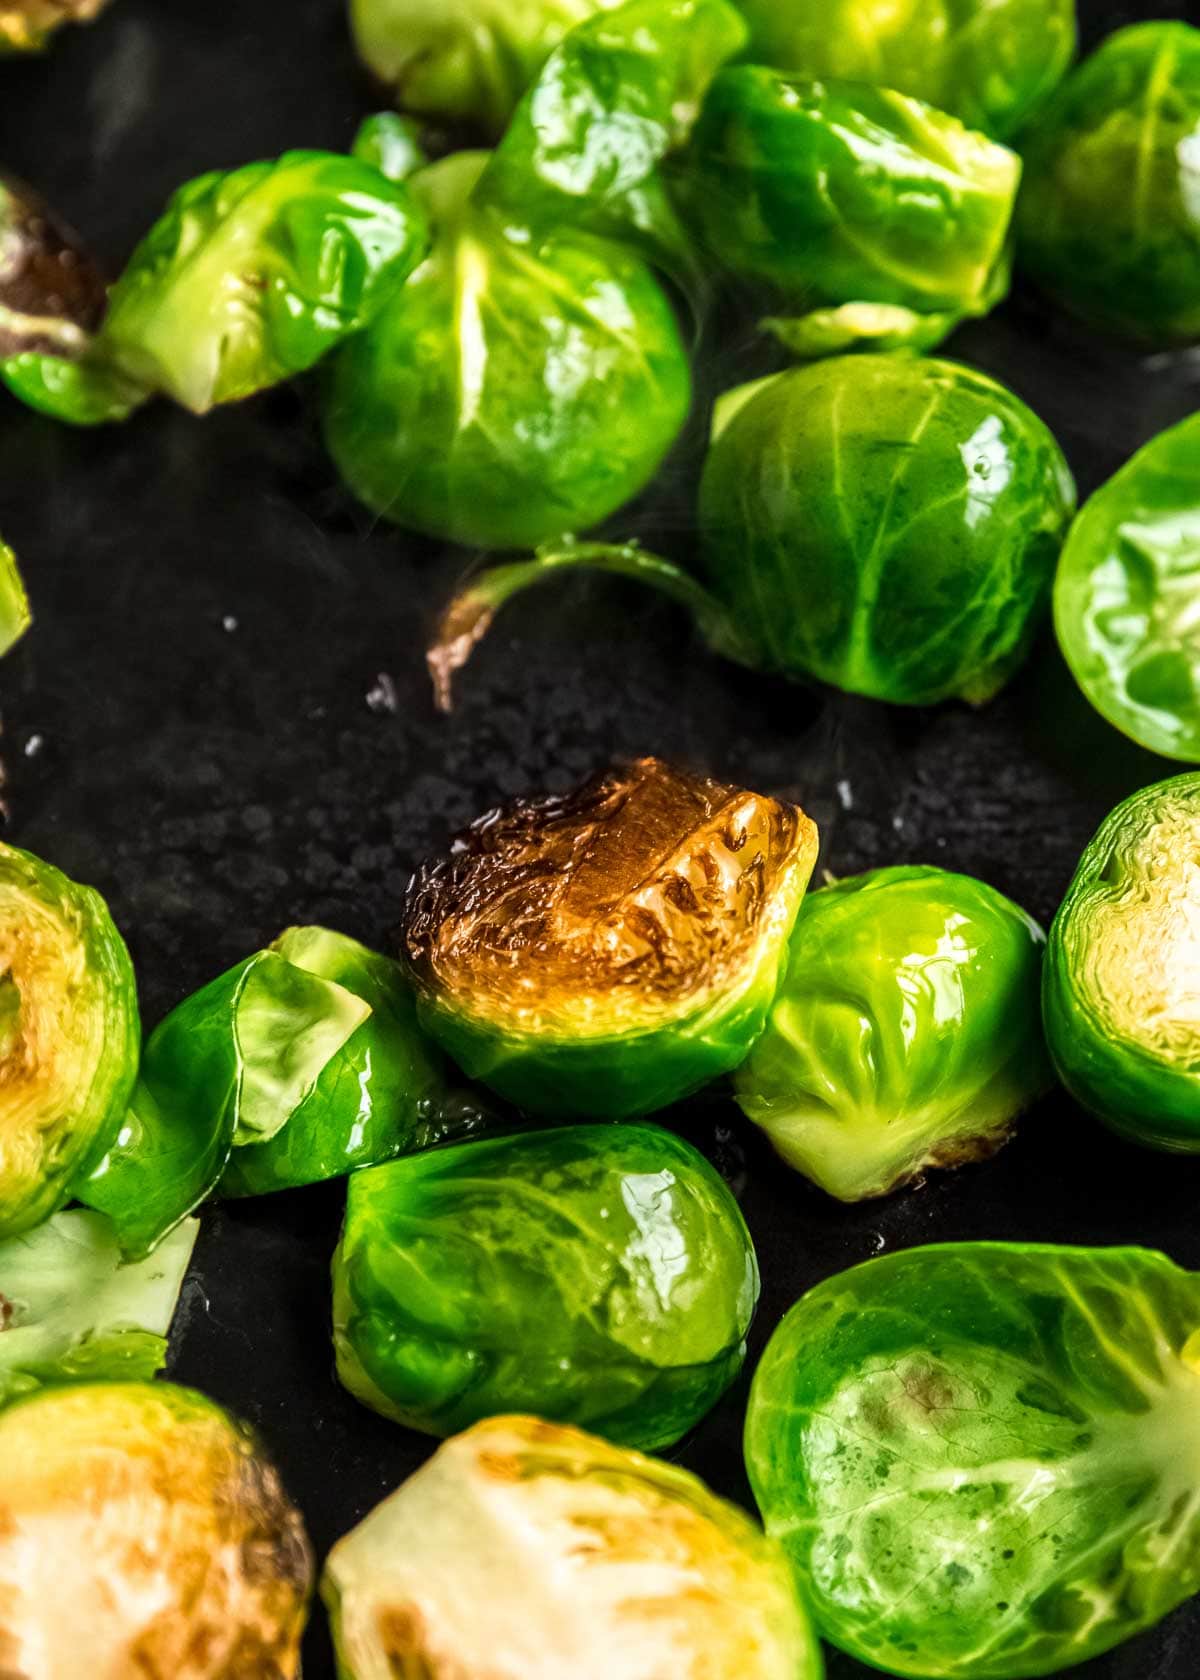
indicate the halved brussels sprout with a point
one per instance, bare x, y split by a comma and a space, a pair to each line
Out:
248, 277
52, 295
68, 1036
145, 1532
923, 584
27, 25
71, 1310
907, 1033
1120, 994
600, 1275
1109, 217
993, 63
1126, 591
527, 1551
604, 952
982, 1458
300, 1063
838, 195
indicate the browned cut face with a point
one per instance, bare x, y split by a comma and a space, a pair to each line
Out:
52, 295
24, 24
620, 903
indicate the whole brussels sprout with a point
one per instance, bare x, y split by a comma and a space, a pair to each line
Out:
600, 1274
1108, 220
527, 1551
300, 1063
72, 1310
907, 1033
1119, 987
837, 195
68, 1036
992, 63
888, 524
248, 277
1125, 595
604, 952
27, 25
146, 1533
980, 1457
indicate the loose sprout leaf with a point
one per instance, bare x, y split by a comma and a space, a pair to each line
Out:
598, 1275
72, 1310
15, 616
529, 1552
982, 1458
87, 392
27, 25
391, 143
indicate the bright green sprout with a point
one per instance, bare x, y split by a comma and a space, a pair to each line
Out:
1109, 217
600, 1275
907, 1033
527, 1551
147, 1529
68, 1036
72, 1310
982, 1458
604, 952
1121, 994
15, 616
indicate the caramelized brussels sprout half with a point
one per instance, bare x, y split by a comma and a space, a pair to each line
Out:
604, 952
52, 295
993, 63
68, 1036
981, 1457
602, 1275
1120, 990
248, 277
907, 1033
923, 584
837, 196
527, 1551
147, 1529
1125, 595
27, 25
1109, 217
300, 1063
71, 1310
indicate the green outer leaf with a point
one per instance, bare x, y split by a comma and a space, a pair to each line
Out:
390, 143
1125, 595
73, 1311
1127, 926
68, 1036
983, 1459
907, 1032
992, 63
595, 1275
1109, 218
15, 616
89, 392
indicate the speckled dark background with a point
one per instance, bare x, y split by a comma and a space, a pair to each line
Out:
221, 719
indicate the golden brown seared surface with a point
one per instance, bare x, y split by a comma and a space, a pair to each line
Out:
52, 295
25, 23
624, 902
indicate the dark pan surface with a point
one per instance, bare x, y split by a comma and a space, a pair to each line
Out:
222, 720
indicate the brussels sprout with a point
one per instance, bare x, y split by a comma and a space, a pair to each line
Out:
27, 25
70, 1310
1125, 594
980, 1457
146, 1529
462, 60
1108, 221
68, 1036
52, 295
1119, 987
301, 1063
247, 278
839, 195
600, 1274
992, 63
606, 951
15, 616
390, 143
906, 1035
923, 585
527, 1551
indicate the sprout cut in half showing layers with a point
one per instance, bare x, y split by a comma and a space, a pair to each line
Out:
68, 1036
606, 951
983, 1459
145, 1528
1121, 992
528, 1551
